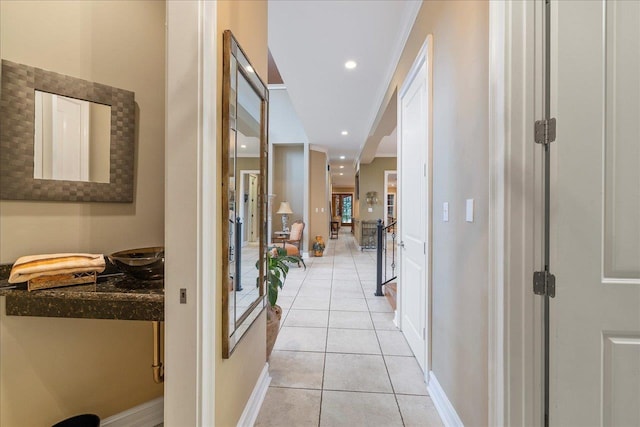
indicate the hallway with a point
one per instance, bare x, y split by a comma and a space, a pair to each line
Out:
339, 360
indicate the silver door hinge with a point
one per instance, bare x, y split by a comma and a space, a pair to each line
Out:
424, 247
545, 131
544, 283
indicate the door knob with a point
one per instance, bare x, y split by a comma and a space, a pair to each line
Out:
401, 244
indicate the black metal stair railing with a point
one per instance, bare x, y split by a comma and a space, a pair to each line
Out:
385, 256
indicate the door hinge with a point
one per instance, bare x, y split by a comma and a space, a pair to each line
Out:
545, 131
424, 333
544, 283
424, 247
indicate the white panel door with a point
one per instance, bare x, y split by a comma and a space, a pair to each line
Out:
595, 214
413, 121
70, 153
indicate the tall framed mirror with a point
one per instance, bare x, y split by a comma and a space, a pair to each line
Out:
245, 102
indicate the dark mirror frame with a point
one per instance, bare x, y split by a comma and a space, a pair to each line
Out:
17, 115
233, 329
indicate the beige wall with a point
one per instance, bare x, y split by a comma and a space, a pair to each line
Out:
248, 163
69, 366
460, 163
288, 182
372, 179
237, 376
336, 189
318, 196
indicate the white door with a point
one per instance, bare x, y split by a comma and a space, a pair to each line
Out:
249, 182
253, 208
70, 139
595, 214
413, 123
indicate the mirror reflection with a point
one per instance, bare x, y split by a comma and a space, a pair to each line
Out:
72, 139
245, 149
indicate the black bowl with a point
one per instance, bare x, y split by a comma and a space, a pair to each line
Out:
142, 263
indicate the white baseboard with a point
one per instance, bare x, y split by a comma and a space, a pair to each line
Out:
355, 242
252, 408
149, 414
440, 400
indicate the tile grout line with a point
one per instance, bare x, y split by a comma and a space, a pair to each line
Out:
326, 341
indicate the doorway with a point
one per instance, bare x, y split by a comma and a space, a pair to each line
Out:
414, 177
342, 207
390, 193
249, 181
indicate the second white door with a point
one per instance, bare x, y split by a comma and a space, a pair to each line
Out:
414, 170
595, 214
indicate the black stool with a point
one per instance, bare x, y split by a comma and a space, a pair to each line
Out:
84, 420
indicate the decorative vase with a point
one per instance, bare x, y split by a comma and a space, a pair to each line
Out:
274, 314
318, 246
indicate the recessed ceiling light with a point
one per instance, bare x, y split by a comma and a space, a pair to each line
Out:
243, 146
341, 174
342, 157
341, 166
350, 65
249, 68
344, 132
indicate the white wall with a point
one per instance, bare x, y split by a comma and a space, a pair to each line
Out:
284, 123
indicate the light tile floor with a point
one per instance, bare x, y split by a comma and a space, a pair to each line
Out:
339, 360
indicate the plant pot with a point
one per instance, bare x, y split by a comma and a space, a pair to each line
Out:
318, 246
274, 314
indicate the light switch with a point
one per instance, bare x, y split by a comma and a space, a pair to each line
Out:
316, 210
445, 212
469, 210
369, 209
322, 210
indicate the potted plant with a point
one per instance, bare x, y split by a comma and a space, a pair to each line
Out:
318, 246
276, 272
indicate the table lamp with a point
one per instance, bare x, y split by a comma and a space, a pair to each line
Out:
285, 210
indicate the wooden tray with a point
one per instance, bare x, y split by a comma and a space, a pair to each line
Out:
60, 280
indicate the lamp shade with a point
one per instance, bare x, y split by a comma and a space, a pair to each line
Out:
284, 208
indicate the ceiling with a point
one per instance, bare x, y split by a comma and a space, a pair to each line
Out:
310, 42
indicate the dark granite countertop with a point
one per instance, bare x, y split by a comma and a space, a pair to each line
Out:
113, 297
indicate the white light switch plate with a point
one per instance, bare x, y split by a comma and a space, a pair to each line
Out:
445, 212
469, 210
369, 209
